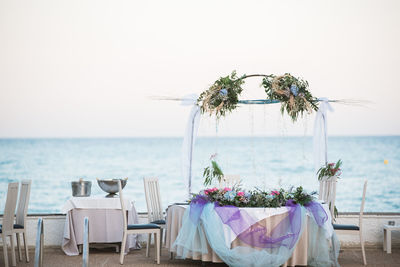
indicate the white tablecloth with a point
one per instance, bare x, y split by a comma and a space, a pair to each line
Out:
105, 222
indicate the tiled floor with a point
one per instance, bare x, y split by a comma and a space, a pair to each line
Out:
107, 257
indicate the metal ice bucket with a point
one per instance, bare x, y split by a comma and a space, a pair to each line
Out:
111, 185
81, 188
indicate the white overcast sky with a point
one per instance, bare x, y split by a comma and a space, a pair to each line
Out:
88, 68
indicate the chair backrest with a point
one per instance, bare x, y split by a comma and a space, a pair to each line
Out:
9, 209
85, 253
39, 244
123, 209
22, 208
153, 199
362, 203
327, 192
229, 180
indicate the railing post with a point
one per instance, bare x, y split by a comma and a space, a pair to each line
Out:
39, 244
85, 253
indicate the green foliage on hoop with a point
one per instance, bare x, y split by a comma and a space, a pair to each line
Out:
292, 92
222, 96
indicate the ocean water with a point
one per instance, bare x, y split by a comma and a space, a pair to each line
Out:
264, 162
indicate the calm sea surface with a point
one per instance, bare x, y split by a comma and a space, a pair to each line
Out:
265, 162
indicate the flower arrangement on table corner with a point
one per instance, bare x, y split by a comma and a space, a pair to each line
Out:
254, 198
292, 92
330, 169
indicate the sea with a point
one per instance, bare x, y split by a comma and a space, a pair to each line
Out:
262, 162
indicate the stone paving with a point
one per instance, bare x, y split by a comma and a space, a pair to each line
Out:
108, 257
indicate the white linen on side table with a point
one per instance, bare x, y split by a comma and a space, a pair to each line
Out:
105, 222
95, 202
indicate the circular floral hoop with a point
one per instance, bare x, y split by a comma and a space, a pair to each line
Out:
292, 92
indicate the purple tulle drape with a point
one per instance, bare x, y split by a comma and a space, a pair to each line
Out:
196, 207
253, 233
318, 212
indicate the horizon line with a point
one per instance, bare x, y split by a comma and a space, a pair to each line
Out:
201, 136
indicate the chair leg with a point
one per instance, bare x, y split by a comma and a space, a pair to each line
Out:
158, 245
362, 249
19, 246
161, 238
5, 248
25, 246
122, 253
148, 244
13, 259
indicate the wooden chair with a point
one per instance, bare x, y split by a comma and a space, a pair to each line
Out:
39, 244
7, 226
20, 223
229, 180
154, 206
138, 229
354, 228
327, 192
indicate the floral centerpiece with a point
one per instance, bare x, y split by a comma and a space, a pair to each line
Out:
330, 169
255, 198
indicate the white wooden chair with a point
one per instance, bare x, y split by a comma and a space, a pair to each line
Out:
20, 223
154, 206
229, 180
6, 228
356, 228
138, 229
39, 244
327, 192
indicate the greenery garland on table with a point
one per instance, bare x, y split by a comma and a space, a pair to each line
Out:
292, 92
255, 198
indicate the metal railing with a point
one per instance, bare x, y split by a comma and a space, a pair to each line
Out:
39, 244
85, 253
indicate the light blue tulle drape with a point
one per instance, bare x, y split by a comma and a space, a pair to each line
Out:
193, 237
210, 226
323, 250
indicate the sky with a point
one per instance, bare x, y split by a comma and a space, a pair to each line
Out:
91, 68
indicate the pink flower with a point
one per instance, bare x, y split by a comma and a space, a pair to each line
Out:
214, 189
240, 194
331, 164
206, 192
226, 189
275, 193
213, 156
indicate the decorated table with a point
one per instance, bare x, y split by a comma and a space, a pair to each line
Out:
249, 236
105, 222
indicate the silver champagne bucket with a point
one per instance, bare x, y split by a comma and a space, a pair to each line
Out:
81, 188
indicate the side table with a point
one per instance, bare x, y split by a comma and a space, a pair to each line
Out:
387, 237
